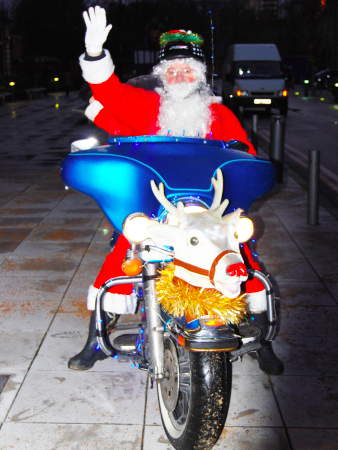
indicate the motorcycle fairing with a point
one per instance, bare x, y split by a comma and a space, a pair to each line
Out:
118, 175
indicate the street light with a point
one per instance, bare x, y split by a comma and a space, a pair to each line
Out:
306, 87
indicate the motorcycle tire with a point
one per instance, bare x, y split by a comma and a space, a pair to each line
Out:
194, 396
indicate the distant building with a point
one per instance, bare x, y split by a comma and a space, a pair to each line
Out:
10, 51
270, 7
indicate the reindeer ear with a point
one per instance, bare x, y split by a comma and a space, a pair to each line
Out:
232, 217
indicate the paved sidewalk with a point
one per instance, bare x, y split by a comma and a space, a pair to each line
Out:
53, 241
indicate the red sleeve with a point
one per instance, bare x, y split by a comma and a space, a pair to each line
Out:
226, 126
133, 106
108, 123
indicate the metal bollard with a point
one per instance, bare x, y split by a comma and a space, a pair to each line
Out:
254, 130
313, 187
277, 140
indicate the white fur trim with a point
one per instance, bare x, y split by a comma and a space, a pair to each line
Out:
256, 301
97, 71
216, 99
93, 109
114, 303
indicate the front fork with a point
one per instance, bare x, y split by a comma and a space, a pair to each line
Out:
155, 326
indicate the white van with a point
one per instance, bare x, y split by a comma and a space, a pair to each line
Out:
253, 78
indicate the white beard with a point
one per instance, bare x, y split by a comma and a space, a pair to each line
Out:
184, 111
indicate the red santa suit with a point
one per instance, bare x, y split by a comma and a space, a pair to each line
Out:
128, 107
122, 109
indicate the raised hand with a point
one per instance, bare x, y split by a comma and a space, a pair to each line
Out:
97, 30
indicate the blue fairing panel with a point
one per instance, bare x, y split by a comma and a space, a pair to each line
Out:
118, 176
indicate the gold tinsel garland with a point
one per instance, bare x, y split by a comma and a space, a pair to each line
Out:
181, 299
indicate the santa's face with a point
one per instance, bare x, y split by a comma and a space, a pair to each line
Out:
185, 98
179, 72
180, 80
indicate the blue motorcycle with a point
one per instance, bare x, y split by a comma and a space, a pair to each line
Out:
168, 196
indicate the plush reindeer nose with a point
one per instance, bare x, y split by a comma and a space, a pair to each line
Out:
237, 270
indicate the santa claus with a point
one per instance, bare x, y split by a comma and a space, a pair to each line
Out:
182, 105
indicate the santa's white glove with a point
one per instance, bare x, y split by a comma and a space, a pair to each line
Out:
97, 30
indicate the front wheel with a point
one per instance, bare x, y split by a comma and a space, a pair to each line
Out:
194, 396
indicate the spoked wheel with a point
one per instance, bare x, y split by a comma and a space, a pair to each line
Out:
194, 396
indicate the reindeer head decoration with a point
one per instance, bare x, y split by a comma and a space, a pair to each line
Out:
206, 245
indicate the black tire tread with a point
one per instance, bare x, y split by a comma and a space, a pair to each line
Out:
210, 397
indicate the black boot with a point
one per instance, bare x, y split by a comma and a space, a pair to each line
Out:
90, 352
267, 359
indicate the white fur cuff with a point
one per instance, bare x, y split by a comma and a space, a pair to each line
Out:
256, 302
97, 71
92, 110
114, 303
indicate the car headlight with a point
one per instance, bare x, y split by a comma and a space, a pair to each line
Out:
244, 229
135, 227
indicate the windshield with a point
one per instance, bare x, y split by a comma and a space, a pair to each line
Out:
258, 69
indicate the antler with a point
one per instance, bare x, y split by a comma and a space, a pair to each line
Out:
160, 195
217, 207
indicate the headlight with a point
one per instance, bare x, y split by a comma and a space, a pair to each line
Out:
172, 219
135, 227
83, 144
244, 229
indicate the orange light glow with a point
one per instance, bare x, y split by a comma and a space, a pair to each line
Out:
132, 267
238, 93
214, 323
285, 93
181, 341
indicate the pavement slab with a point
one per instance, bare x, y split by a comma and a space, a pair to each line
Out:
115, 397
10, 391
21, 349
24, 436
314, 438
310, 402
303, 356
